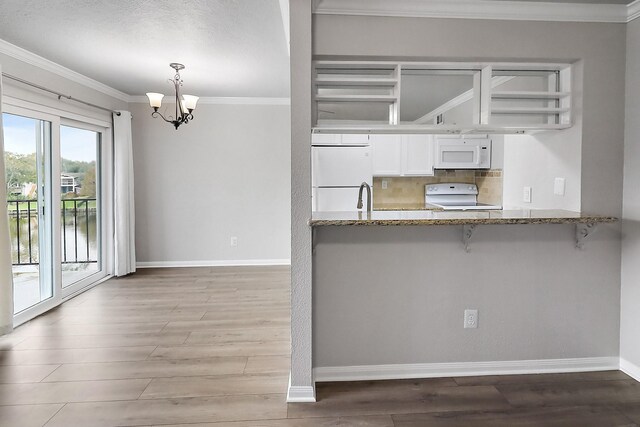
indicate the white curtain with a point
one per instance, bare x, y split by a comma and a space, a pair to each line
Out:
6, 274
124, 208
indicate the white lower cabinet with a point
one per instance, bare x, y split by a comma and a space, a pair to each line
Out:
402, 155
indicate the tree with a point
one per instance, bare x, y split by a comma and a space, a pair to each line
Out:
89, 183
20, 169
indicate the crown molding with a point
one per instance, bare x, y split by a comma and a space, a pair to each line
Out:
474, 9
633, 10
212, 100
47, 65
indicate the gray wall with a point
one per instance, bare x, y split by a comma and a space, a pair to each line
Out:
224, 174
395, 295
629, 324
301, 363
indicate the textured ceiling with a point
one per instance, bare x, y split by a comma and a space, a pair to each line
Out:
229, 47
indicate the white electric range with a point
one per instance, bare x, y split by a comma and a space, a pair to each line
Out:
455, 196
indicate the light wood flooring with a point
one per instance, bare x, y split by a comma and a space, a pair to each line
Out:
210, 347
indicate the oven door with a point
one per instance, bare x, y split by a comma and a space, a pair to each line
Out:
462, 154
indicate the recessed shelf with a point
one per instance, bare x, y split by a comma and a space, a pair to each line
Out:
523, 110
378, 128
354, 81
356, 98
529, 95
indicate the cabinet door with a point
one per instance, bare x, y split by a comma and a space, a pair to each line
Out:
325, 139
417, 156
387, 155
355, 139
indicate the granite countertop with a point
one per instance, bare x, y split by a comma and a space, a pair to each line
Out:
435, 217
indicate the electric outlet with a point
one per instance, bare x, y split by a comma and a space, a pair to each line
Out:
526, 195
385, 184
470, 319
234, 241
558, 187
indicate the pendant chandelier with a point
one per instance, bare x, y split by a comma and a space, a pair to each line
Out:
184, 105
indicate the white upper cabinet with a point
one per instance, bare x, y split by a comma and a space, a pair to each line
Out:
355, 139
402, 155
326, 139
387, 155
318, 139
417, 155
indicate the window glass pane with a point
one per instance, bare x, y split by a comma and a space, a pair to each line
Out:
24, 142
79, 189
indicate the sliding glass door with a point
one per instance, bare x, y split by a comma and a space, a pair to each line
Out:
28, 179
80, 204
56, 187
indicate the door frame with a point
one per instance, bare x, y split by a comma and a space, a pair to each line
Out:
104, 214
53, 201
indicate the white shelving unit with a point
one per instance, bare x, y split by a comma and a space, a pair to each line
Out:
365, 97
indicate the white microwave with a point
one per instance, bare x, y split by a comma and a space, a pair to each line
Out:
463, 153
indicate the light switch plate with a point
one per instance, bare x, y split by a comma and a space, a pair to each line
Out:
558, 186
385, 184
526, 195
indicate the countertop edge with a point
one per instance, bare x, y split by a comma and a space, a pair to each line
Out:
586, 219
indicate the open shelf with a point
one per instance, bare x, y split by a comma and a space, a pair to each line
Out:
529, 110
356, 98
379, 128
355, 81
529, 95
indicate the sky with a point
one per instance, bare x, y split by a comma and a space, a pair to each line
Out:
20, 137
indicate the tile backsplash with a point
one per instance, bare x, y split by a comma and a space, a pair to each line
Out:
410, 190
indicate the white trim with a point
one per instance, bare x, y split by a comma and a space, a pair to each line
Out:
301, 394
284, 12
633, 10
630, 369
474, 9
213, 263
462, 369
47, 65
56, 111
214, 100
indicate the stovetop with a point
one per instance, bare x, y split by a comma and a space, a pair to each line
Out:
455, 196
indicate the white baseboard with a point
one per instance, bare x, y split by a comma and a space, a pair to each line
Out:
461, 369
301, 394
213, 263
630, 369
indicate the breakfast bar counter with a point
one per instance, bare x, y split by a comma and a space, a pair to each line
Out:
440, 217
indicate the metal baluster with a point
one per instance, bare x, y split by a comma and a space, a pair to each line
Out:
86, 216
64, 231
18, 227
75, 227
29, 229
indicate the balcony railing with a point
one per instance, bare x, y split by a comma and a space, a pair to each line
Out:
77, 217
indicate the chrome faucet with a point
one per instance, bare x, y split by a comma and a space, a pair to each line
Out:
364, 185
